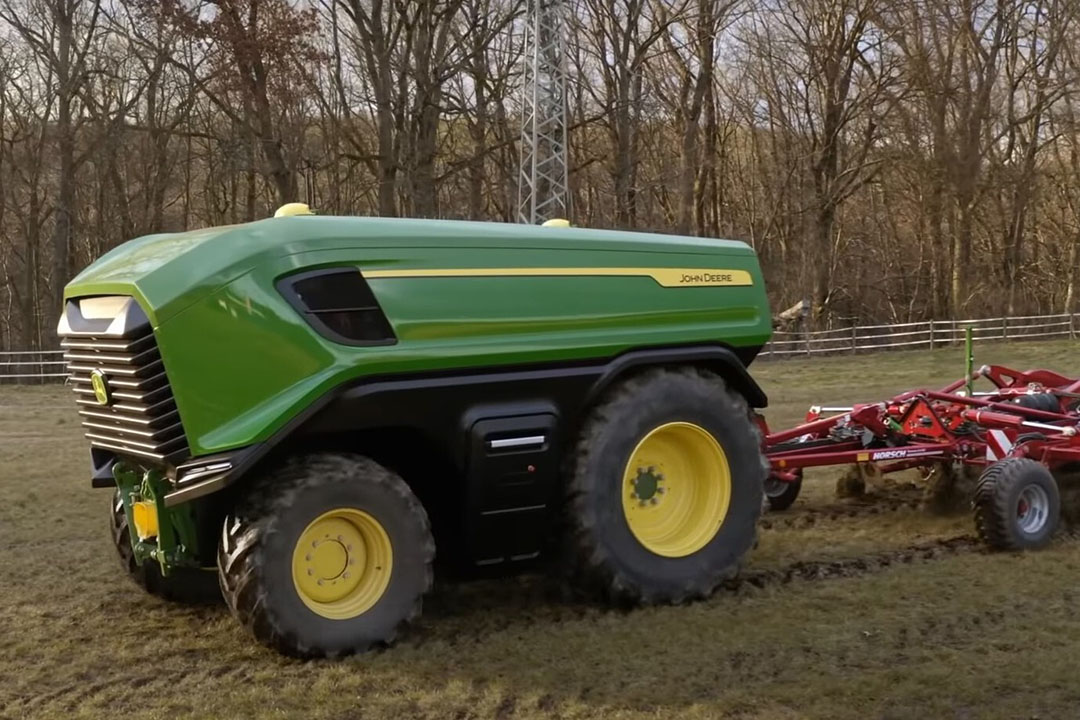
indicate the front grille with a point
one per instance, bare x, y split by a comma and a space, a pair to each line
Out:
140, 418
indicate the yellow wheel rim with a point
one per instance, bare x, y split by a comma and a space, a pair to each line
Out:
676, 489
341, 564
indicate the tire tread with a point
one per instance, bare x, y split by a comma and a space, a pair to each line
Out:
253, 520
993, 509
590, 568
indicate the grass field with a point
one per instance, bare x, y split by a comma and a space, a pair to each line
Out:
917, 634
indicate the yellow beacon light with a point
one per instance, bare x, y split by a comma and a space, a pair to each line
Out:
291, 209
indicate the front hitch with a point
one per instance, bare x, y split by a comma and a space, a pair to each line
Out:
165, 535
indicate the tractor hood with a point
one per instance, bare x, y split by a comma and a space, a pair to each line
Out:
169, 272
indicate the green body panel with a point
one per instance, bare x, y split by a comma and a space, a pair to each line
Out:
243, 362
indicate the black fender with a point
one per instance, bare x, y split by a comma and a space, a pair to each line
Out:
719, 358
443, 406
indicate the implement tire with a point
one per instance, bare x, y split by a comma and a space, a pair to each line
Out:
666, 489
782, 495
326, 556
1017, 505
183, 585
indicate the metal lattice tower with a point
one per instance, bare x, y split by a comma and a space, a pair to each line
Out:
543, 185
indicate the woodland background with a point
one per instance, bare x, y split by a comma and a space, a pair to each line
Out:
890, 160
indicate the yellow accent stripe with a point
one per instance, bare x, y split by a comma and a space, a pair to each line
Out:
666, 277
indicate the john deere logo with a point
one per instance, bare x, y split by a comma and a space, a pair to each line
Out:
100, 383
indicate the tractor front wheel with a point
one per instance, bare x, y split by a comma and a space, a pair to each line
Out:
183, 585
328, 555
1017, 505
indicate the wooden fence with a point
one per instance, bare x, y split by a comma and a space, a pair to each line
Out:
32, 367
928, 334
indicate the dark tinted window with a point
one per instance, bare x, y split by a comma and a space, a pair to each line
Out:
340, 305
334, 290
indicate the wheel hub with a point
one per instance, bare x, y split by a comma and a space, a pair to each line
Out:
329, 560
676, 489
342, 563
647, 486
1032, 509
774, 487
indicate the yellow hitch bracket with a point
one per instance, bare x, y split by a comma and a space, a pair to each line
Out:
144, 515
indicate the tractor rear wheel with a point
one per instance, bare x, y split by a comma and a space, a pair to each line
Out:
328, 555
666, 489
1017, 505
183, 585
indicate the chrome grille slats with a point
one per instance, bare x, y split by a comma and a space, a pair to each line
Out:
141, 419
110, 369
113, 357
147, 397
107, 344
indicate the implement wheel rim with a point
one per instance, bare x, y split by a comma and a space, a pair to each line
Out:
342, 563
1032, 509
676, 489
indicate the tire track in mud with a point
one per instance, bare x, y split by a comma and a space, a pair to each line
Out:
869, 563
855, 566
463, 612
538, 598
892, 500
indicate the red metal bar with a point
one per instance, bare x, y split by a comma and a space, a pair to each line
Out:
832, 447
809, 428
907, 452
866, 414
953, 387
1007, 407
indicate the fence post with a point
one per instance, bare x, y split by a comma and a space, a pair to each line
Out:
931, 334
1004, 327
854, 335
952, 332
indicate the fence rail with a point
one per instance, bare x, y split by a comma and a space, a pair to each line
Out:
43, 366
32, 367
912, 335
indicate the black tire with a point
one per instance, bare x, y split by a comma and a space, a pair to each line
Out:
782, 495
261, 533
1000, 502
182, 585
1039, 401
605, 557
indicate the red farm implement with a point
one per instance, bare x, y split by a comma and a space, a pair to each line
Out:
1017, 432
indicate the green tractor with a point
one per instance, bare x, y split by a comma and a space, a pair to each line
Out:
301, 410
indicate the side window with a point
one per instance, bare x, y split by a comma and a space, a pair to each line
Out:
338, 303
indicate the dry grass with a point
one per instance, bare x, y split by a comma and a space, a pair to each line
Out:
973, 635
